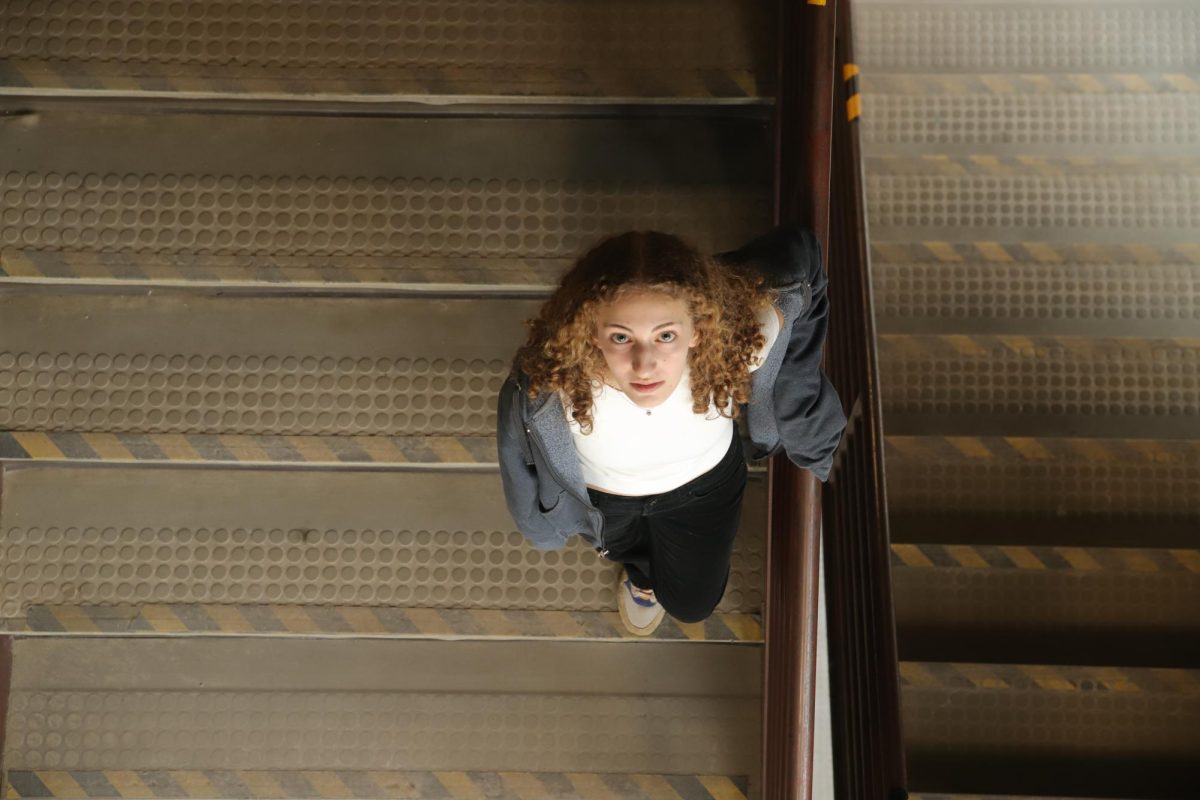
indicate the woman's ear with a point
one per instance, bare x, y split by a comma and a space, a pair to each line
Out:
695, 339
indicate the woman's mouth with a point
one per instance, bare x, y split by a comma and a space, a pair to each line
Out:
646, 387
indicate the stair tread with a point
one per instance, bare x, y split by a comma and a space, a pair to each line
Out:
420, 52
363, 202
262, 704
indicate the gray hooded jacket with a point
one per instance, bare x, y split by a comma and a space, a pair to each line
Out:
792, 404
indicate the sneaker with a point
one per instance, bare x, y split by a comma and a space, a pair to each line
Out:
640, 609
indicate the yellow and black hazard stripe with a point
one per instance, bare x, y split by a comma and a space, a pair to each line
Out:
899, 346
1033, 83
245, 448
50, 265
1035, 252
1116, 680
1046, 450
439, 80
1010, 165
382, 784
358, 621
853, 97
1028, 557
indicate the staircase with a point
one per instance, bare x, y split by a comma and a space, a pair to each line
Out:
263, 267
1033, 183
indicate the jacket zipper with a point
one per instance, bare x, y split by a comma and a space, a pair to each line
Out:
558, 479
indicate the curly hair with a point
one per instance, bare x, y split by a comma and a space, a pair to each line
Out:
722, 300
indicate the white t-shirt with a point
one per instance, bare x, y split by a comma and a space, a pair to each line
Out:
632, 452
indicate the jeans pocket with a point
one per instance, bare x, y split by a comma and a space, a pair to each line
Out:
711, 485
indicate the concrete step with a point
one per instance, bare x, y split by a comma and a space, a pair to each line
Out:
1043, 477
415, 553
1148, 299
363, 203
1137, 122
1062, 605
1117, 209
237, 717
1041, 730
1035, 386
999, 37
424, 52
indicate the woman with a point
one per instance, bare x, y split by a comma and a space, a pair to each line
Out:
617, 421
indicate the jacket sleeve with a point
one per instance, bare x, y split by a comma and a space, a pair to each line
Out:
518, 472
808, 410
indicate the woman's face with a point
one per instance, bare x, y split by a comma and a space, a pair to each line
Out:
645, 337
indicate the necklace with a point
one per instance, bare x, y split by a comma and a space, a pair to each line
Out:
627, 400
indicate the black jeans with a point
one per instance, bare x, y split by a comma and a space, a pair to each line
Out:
678, 543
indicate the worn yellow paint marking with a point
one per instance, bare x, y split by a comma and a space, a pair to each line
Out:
362, 620
16, 265
74, 619
1189, 558
981, 676
459, 785
494, 622
60, 783
589, 785
1043, 253
911, 555
1137, 561
1079, 558
327, 783
1023, 557
243, 448
229, 619
261, 783
194, 783
969, 446
916, 675
561, 624
1048, 678
393, 784
721, 788
449, 450
1090, 449
655, 786
1029, 448
381, 449
1114, 679
37, 445
176, 447
744, 626
428, 621
128, 784
1182, 82
1143, 253
108, 446
1152, 451
162, 619
312, 448
994, 251
524, 785
966, 556
694, 631
296, 619
966, 345
943, 251
849, 71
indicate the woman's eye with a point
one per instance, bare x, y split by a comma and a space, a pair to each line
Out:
671, 334
618, 338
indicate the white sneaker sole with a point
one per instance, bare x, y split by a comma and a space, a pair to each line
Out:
650, 626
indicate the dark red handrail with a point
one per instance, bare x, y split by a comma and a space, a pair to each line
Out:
864, 673
819, 185
804, 100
